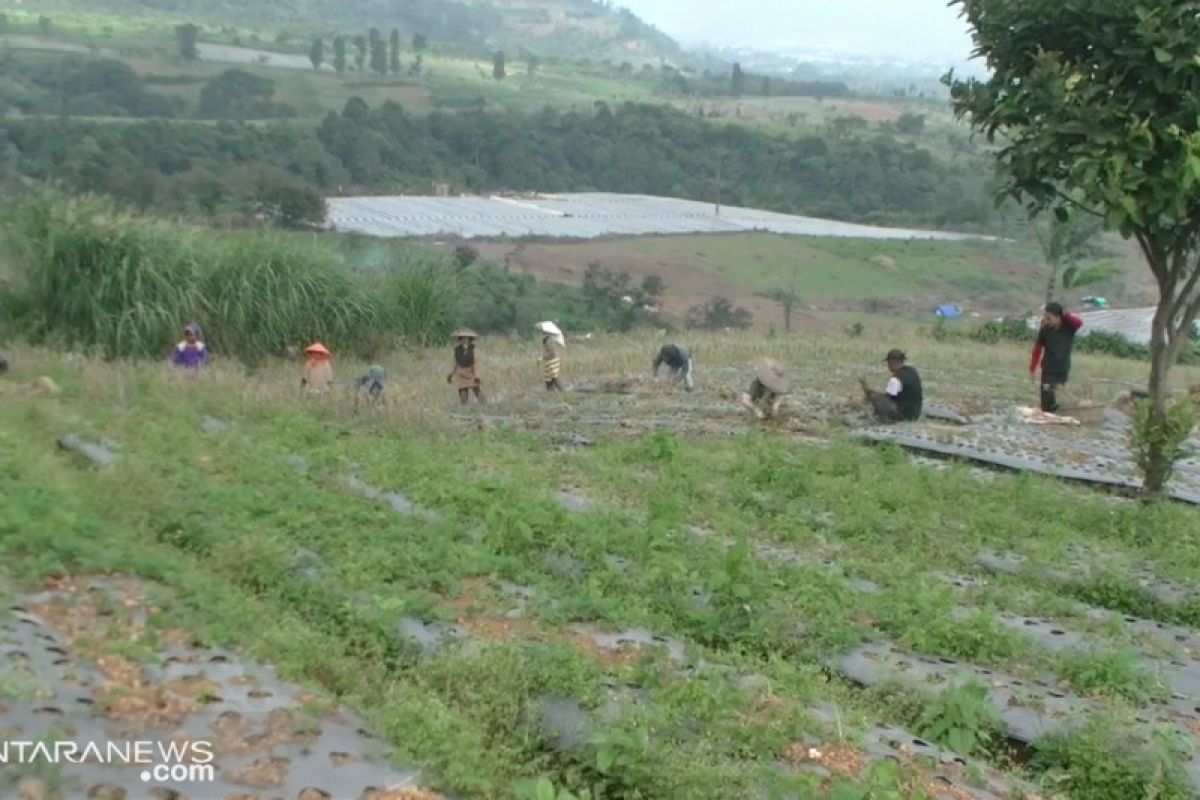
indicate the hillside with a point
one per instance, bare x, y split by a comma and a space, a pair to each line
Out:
576, 28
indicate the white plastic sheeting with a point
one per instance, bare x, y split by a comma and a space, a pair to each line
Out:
584, 216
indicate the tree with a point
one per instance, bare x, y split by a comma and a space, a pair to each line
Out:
498, 71
394, 55
185, 37
379, 54
719, 314
911, 124
1095, 108
339, 54
237, 94
737, 81
419, 42
287, 201
787, 300
316, 53
1063, 243
360, 52
766, 86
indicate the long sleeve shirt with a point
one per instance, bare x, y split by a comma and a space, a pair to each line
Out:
190, 356
1052, 350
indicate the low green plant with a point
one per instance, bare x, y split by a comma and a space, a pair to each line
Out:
1110, 674
544, 789
963, 719
1107, 759
1171, 439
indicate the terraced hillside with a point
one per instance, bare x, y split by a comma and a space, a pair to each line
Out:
619, 591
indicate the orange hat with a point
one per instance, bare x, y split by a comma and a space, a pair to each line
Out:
316, 348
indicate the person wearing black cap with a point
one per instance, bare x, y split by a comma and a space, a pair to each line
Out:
902, 398
1052, 352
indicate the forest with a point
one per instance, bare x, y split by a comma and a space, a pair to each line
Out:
211, 167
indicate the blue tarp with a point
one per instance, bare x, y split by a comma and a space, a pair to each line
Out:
948, 312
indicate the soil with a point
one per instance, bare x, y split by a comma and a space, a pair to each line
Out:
687, 285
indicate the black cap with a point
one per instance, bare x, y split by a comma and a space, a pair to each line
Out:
895, 355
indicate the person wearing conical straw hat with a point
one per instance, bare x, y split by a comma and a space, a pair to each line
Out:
551, 360
318, 368
465, 376
768, 388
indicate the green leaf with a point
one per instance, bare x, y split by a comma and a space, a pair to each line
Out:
545, 789
1162, 56
1129, 204
605, 759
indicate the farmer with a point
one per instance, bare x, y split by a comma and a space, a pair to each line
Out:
465, 376
551, 361
1052, 352
902, 398
191, 352
679, 360
318, 368
767, 390
370, 386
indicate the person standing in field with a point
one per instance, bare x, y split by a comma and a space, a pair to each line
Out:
551, 365
465, 376
1052, 352
679, 360
318, 368
903, 397
551, 359
191, 352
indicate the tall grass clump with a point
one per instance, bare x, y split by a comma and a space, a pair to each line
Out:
420, 302
88, 275
265, 292
91, 276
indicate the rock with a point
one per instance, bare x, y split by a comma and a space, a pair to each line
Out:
45, 385
32, 789
97, 454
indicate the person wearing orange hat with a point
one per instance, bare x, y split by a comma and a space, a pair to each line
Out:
318, 368
465, 377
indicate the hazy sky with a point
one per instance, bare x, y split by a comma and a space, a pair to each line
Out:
910, 29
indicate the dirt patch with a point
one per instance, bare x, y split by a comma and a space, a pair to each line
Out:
687, 285
838, 758
623, 656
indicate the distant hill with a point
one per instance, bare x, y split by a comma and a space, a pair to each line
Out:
548, 28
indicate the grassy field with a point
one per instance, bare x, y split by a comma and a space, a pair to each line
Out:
830, 275
215, 517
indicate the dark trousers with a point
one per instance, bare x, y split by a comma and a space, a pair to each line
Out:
1050, 387
464, 395
885, 408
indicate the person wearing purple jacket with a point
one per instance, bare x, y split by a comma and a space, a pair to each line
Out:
191, 352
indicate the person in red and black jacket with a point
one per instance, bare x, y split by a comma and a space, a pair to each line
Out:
1052, 352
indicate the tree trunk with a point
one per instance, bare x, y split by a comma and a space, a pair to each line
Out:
1052, 284
787, 317
1158, 462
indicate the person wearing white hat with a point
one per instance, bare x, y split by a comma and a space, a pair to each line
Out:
551, 359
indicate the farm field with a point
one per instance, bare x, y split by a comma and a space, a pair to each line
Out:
831, 276
618, 590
